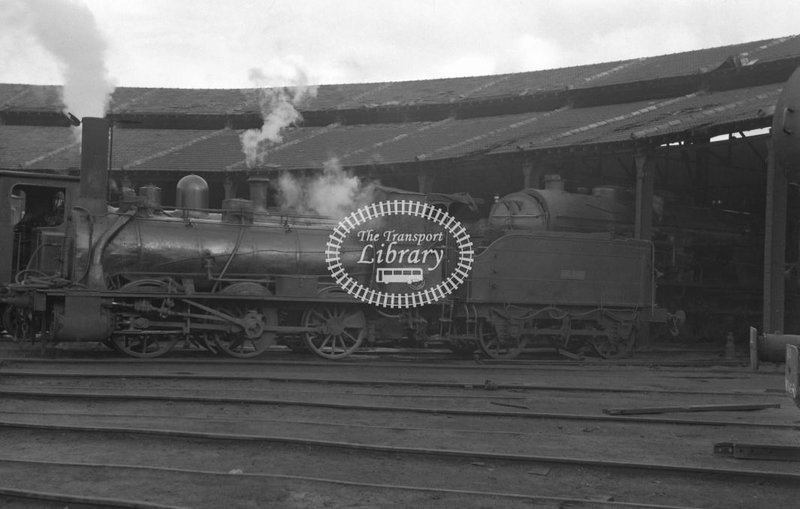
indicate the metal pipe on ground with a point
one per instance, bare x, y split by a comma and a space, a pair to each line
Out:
770, 347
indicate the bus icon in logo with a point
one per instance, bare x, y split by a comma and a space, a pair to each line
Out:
409, 275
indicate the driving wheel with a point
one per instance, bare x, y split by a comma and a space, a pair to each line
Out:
341, 330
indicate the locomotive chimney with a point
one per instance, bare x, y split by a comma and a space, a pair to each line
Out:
94, 165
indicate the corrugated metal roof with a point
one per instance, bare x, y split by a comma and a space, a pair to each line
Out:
677, 113
38, 148
375, 144
30, 97
141, 101
667, 120
698, 61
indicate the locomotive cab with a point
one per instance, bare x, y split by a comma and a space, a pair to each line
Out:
33, 221
32, 226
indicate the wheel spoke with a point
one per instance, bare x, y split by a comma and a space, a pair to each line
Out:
320, 319
352, 338
612, 344
325, 343
246, 343
495, 346
236, 343
143, 346
346, 329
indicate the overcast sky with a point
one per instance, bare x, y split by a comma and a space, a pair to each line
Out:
216, 44
89, 47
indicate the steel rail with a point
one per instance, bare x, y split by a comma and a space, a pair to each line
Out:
355, 360
416, 451
84, 396
275, 421
373, 382
328, 424
100, 502
571, 501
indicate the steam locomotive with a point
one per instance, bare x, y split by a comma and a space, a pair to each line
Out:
551, 268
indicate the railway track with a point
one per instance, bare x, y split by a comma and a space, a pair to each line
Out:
488, 476
433, 434
663, 354
715, 382
382, 494
488, 406
356, 442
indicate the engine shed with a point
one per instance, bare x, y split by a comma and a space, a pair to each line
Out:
684, 141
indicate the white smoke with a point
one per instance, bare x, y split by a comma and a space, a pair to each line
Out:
333, 193
68, 31
278, 111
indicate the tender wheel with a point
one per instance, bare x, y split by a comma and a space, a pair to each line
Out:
144, 346
460, 342
253, 340
343, 329
617, 343
612, 349
143, 342
497, 346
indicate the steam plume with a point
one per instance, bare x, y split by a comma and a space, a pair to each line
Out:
278, 110
68, 31
334, 193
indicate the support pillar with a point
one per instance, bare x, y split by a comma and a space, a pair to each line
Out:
643, 226
532, 172
230, 187
425, 183
701, 172
527, 169
775, 245
645, 183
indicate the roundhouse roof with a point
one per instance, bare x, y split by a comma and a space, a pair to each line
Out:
615, 104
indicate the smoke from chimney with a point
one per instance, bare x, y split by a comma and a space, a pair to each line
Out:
278, 111
68, 31
334, 193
